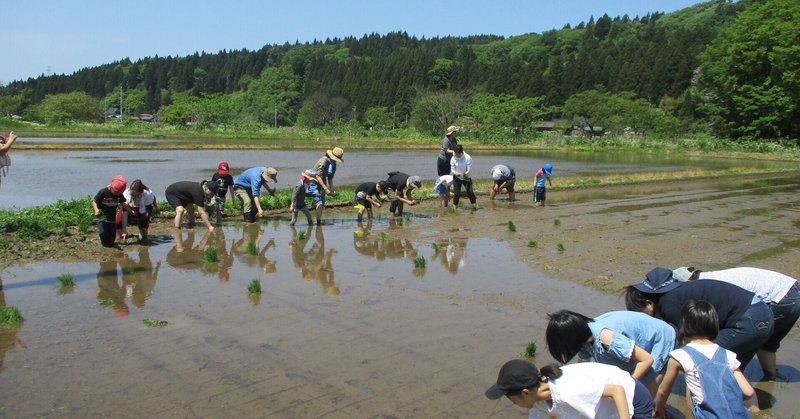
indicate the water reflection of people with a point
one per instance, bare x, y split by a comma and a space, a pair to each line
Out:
110, 290
141, 280
382, 245
316, 263
455, 254
8, 335
185, 255
248, 249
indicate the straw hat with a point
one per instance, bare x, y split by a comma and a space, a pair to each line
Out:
336, 154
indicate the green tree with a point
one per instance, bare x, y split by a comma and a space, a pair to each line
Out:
378, 117
750, 74
434, 112
441, 74
275, 95
175, 114
505, 112
69, 107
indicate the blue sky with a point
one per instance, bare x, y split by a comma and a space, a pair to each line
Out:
61, 36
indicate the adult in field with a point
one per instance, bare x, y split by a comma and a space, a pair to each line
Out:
186, 194
780, 292
449, 144
247, 188
6, 141
326, 169
745, 322
503, 177
460, 166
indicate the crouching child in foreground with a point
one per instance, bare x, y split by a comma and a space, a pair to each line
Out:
587, 390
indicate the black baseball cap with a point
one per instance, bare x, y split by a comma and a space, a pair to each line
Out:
515, 375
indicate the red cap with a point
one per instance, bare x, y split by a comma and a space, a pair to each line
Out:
223, 168
118, 185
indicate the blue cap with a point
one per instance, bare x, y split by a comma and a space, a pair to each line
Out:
548, 168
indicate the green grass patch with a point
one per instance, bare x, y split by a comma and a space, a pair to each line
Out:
533, 244
254, 287
154, 322
511, 226
529, 351
210, 255
420, 262
10, 316
66, 280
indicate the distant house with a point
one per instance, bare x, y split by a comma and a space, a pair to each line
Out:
146, 117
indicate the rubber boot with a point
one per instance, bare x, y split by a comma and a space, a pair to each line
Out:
249, 217
143, 236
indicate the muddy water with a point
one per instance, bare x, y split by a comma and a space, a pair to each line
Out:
39, 177
346, 325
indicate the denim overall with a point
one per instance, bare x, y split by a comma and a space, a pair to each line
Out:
722, 394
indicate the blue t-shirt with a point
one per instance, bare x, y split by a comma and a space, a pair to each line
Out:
630, 328
251, 179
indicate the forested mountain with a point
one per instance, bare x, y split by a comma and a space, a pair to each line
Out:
655, 58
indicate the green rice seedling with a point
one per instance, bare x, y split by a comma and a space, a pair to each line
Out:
420, 262
384, 237
511, 226
451, 210
127, 270
301, 235
252, 248
254, 287
407, 218
529, 351
66, 280
561, 247
533, 244
106, 302
210, 255
436, 248
155, 322
556, 222
10, 316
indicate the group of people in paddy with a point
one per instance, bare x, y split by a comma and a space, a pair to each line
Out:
118, 205
706, 325
723, 319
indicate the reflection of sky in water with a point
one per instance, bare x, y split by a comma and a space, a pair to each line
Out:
43, 177
335, 257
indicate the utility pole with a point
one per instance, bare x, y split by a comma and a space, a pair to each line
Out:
394, 116
120, 103
276, 114
354, 116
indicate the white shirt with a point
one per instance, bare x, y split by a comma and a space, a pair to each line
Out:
578, 393
690, 369
768, 286
460, 165
146, 198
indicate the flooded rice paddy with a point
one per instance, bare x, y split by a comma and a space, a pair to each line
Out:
80, 173
346, 326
